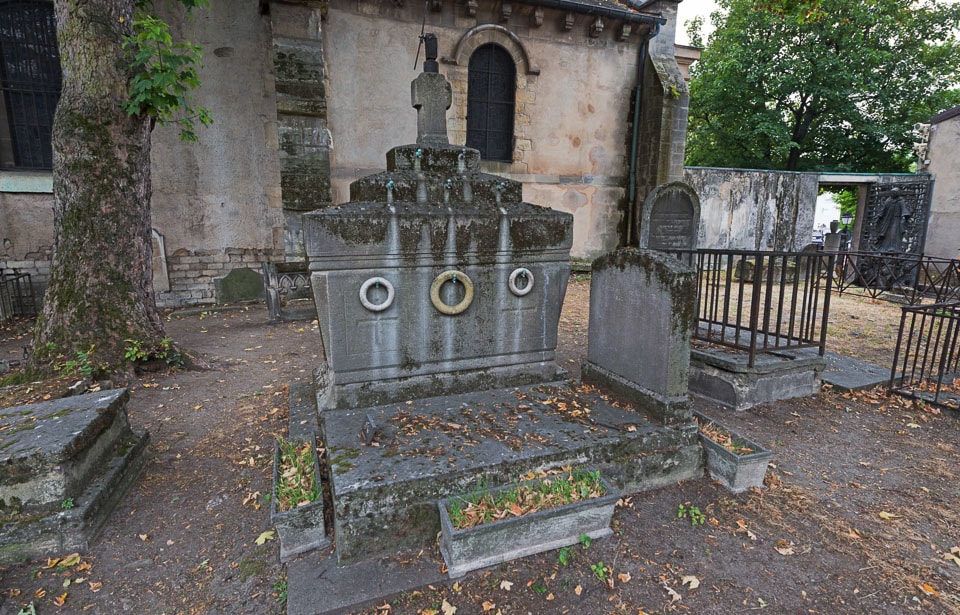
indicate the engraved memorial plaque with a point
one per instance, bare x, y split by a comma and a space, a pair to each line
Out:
670, 218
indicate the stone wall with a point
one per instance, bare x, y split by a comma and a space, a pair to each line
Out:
942, 237
754, 210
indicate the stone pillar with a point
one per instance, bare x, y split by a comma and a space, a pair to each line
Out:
665, 101
304, 138
642, 311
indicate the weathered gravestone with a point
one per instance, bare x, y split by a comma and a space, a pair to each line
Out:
670, 218
642, 313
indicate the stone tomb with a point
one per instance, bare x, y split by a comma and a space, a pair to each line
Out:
670, 218
438, 294
435, 279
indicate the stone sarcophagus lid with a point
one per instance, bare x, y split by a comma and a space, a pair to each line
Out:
435, 279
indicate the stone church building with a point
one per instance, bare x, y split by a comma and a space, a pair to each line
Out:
580, 100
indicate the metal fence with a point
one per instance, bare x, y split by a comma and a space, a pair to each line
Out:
756, 301
16, 295
914, 277
926, 360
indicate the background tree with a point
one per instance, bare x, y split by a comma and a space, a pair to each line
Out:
821, 84
121, 74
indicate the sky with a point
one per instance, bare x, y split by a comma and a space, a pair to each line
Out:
688, 9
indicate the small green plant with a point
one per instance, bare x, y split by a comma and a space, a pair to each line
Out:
28, 610
296, 481
687, 511
67, 504
136, 351
600, 571
565, 555
280, 589
81, 365
540, 586
584, 541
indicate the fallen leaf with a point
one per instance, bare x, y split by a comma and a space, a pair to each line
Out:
506, 585
40, 593
51, 562
624, 577
690, 580
887, 516
551, 597
59, 600
447, 608
428, 612
578, 589
95, 587
170, 543
143, 537
264, 537
71, 560
784, 548
928, 590
674, 596
488, 606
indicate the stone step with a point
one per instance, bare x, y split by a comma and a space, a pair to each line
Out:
71, 464
51, 450
388, 465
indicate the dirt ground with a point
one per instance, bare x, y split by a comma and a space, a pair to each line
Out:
859, 514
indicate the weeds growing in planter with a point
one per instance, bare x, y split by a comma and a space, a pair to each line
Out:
723, 438
296, 483
481, 506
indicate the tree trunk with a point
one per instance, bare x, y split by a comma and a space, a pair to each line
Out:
100, 289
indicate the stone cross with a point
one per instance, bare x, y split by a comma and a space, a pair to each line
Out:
431, 95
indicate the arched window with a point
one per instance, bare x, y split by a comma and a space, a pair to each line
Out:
29, 81
491, 91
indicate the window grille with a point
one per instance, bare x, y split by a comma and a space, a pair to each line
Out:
30, 81
491, 92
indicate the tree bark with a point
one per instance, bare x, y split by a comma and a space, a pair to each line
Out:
100, 289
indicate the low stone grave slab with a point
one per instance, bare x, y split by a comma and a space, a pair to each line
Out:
390, 464
67, 463
724, 375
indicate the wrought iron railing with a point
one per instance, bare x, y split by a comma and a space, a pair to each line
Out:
926, 363
758, 302
914, 277
16, 295
282, 283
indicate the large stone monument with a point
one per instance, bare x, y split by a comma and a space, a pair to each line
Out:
435, 278
438, 294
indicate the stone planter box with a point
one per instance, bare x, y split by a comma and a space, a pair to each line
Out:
536, 532
737, 472
300, 529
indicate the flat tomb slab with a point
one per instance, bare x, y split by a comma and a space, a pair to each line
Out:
385, 492
725, 376
51, 450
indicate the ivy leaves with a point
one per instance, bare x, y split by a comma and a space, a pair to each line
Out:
165, 74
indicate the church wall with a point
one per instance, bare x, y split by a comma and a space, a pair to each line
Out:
572, 101
215, 203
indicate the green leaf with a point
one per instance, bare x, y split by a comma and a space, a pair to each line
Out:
264, 537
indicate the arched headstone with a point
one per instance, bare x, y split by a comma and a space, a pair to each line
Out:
670, 218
